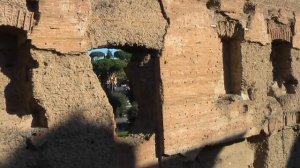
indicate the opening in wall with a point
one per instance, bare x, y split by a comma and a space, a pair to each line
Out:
16, 64
213, 4
33, 6
232, 65
281, 61
131, 79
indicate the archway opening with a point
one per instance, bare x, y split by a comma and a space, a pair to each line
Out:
131, 79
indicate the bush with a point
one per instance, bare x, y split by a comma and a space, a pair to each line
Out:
123, 134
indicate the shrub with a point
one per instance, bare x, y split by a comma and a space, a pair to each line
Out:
118, 101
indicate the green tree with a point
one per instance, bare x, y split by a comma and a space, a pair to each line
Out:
122, 77
122, 55
107, 66
97, 54
109, 55
104, 68
118, 101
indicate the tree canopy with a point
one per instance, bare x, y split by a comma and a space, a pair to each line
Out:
97, 54
107, 66
122, 55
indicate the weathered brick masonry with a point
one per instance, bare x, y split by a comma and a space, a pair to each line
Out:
223, 78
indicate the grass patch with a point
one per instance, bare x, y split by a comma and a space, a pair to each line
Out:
123, 133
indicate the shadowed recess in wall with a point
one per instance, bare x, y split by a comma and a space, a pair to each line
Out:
33, 6
232, 65
294, 161
143, 72
281, 60
213, 4
231, 34
261, 152
16, 64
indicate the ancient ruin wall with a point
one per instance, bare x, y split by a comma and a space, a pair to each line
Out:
65, 105
62, 26
66, 93
48, 99
126, 22
204, 112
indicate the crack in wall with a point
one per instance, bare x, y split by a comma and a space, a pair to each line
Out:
164, 12
160, 130
58, 53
